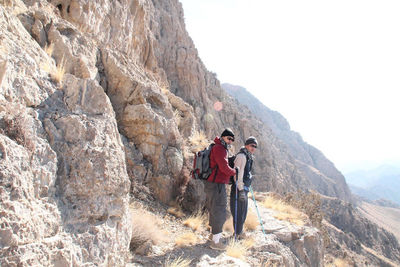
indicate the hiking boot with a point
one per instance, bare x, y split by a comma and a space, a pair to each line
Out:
210, 237
218, 246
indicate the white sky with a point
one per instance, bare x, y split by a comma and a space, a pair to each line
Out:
332, 68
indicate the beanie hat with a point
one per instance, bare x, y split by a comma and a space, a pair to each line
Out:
251, 140
227, 132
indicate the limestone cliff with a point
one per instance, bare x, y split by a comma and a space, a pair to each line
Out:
99, 99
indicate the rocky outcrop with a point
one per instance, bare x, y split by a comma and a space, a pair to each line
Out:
64, 185
353, 231
99, 98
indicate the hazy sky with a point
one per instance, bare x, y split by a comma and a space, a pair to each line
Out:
332, 68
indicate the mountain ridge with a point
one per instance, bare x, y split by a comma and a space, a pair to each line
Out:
103, 102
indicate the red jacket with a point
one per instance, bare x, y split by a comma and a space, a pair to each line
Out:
219, 157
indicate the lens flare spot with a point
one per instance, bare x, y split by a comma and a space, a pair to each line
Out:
218, 106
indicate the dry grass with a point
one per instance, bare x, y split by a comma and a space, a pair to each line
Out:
58, 74
237, 249
251, 222
195, 221
339, 262
179, 262
249, 242
198, 141
186, 239
164, 89
146, 228
49, 49
177, 212
228, 225
285, 211
177, 117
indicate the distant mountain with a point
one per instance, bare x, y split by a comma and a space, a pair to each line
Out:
382, 182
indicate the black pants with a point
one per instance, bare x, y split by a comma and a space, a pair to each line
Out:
241, 209
216, 205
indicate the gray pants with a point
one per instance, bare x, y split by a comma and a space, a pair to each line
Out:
241, 210
216, 205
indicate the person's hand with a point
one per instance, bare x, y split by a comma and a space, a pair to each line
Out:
242, 196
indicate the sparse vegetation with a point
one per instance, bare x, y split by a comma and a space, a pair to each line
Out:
236, 249
195, 221
176, 211
164, 89
57, 75
177, 117
146, 228
49, 49
285, 211
249, 242
198, 141
251, 222
228, 225
186, 239
178, 262
340, 262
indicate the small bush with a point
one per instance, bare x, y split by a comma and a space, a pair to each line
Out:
186, 239
49, 49
198, 141
177, 212
177, 117
251, 222
228, 225
285, 211
146, 228
236, 249
179, 262
195, 221
58, 74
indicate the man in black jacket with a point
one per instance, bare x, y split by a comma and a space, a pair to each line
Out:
244, 162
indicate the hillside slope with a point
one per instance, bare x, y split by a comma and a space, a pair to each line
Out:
101, 101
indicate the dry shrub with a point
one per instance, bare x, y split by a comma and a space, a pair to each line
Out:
236, 249
310, 204
285, 211
176, 211
339, 262
146, 228
177, 117
186, 239
164, 89
198, 141
49, 49
251, 222
249, 242
228, 225
195, 221
178, 262
57, 75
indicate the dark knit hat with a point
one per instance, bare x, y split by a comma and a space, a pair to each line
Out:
227, 132
251, 140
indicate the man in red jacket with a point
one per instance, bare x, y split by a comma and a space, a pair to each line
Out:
214, 187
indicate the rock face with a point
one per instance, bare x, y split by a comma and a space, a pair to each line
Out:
352, 229
64, 184
98, 98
